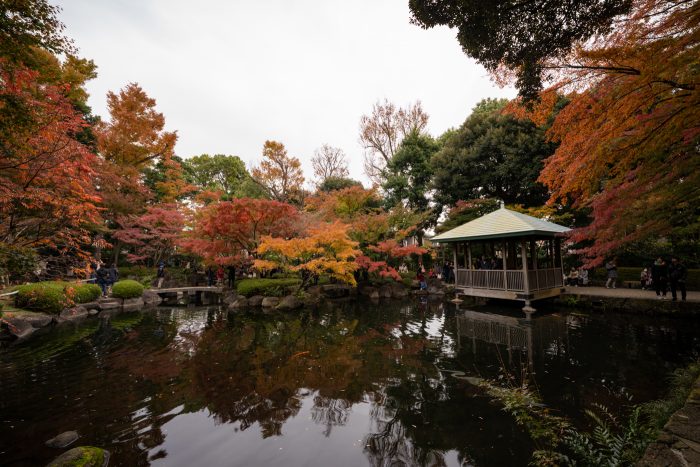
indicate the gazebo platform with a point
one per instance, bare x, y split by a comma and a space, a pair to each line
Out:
507, 255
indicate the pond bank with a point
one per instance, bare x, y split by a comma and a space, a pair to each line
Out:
678, 444
623, 300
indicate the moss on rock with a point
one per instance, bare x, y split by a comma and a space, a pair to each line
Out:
82, 456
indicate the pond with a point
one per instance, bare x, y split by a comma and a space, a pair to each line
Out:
355, 383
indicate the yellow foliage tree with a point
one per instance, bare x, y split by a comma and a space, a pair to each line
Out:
327, 250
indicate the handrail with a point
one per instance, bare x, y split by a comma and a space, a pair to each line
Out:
9, 293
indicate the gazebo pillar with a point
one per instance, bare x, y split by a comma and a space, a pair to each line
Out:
526, 280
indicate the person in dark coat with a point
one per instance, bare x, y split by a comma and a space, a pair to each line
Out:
103, 279
678, 274
113, 276
211, 276
231, 276
160, 273
659, 277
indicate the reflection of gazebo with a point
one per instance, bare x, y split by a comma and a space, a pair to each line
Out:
509, 255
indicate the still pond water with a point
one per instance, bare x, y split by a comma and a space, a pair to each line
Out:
350, 385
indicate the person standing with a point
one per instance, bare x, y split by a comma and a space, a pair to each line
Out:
103, 279
611, 267
231, 276
210, 276
421, 279
659, 277
160, 273
644, 278
678, 274
113, 276
220, 276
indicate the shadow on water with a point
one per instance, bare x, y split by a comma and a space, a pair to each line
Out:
355, 383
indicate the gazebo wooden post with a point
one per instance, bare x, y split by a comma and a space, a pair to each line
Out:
526, 281
454, 264
559, 256
469, 268
504, 249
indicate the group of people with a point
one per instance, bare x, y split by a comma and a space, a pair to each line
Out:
577, 277
103, 275
216, 277
661, 275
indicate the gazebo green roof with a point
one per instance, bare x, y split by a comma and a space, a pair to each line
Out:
502, 223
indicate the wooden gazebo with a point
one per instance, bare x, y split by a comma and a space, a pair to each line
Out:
509, 255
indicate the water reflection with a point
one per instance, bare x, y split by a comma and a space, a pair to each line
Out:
352, 384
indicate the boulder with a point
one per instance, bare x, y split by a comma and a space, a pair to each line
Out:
241, 302
255, 300
399, 291
368, 290
84, 456
315, 290
420, 292
385, 291
23, 324
64, 439
335, 290
93, 311
75, 313
131, 304
229, 297
288, 303
151, 298
432, 290
270, 302
108, 304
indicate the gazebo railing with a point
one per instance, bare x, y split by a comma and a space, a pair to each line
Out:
510, 280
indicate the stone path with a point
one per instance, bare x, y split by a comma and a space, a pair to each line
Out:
693, 296
678, 443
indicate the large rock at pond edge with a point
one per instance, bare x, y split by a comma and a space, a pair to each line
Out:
241, 302
151, 298
72, 314
290, 302
270, 302
84, 456
130, 304
385, 291
335, 290
398, 291
23, 324
369, 291
432, 290
229, 297
255, 300
108, 304
64, 439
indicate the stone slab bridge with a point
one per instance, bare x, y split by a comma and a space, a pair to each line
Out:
199, 295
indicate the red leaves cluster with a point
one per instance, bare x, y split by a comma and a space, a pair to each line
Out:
225, 232
46, 176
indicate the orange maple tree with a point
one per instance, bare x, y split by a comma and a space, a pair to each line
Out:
628, 138
279, 173
46, 176
326, 250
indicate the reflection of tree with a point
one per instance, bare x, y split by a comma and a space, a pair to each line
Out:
330, 412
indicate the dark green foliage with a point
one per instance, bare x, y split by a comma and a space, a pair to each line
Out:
337, 183
520, 35
632, 274
466, 211
267, 287
17, 262
682, 381
407, 175
217, 172
127, 289
492, 156
156, 174
25, 24
53, 297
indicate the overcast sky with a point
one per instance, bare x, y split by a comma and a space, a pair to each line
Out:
229, 75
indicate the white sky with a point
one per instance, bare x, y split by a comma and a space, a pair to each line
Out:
229, 75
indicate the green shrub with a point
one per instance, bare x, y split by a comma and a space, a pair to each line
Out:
267, 287
127, 289
54, 296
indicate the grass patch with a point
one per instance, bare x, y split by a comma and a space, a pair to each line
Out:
266, 287
54, 296
127, 289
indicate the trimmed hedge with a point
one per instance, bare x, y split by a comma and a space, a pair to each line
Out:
54, 296
267, 287
632, 274
127, 289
